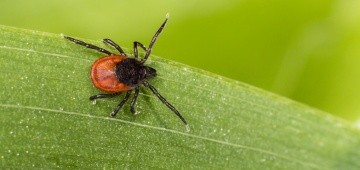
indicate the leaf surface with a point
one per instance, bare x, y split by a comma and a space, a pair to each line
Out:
47, 120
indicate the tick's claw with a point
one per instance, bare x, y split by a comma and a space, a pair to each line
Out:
112, 114
187, 128
133, 111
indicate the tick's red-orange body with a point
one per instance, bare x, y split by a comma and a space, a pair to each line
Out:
116, 73
104, 77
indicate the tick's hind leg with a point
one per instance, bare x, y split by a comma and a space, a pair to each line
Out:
88, 45
100, 96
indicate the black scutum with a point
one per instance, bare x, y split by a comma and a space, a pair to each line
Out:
130, 72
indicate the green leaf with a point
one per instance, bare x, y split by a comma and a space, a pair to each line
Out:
47, 120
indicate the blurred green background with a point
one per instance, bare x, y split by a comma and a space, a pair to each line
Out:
307, 50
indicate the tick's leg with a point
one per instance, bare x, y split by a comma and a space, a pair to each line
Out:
112, 43
136, 45
152, 42
88, 45
120, 105
171, 107
133, 101
99, 96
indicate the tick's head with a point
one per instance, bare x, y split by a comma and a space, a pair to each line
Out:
150, 72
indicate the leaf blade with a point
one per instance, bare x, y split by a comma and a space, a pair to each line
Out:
48, 121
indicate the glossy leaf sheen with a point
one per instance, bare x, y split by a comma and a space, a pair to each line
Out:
47, 120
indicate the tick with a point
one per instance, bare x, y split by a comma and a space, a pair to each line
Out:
118, 73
